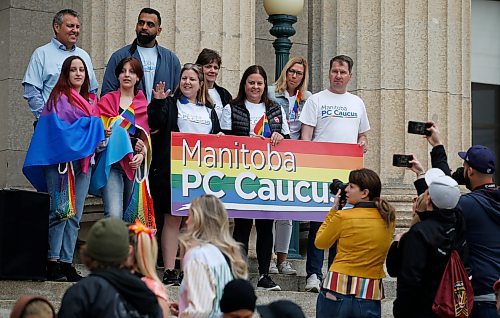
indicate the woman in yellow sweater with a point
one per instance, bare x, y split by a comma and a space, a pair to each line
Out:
353, 286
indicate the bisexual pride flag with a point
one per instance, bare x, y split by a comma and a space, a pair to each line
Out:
262, 127
256, 180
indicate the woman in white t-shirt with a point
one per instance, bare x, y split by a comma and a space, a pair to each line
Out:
211, 61
240, 118
289, 91
189, 110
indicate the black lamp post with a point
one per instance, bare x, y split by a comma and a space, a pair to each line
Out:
282, 29
283, 14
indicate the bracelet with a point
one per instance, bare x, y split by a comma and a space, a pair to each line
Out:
421, 174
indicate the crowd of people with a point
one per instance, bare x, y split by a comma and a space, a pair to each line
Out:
107, 146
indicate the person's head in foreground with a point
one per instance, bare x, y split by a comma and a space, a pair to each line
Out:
238, 299
32, 307
281, 309
107, 245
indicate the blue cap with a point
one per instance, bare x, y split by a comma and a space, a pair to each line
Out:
480, 158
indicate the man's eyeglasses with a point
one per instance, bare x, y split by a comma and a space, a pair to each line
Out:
294, 72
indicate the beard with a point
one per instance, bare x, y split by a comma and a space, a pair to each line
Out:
145, 39
468, 184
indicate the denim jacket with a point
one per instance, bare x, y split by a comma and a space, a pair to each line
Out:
282, 100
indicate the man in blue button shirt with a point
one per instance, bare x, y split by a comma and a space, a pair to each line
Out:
46, 62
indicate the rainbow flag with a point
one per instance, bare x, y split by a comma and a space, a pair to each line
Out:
128, 122
256, 180
262, 127
298, 99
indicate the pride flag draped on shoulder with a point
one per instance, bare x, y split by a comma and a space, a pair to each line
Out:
262, 127
65, 132
131, 122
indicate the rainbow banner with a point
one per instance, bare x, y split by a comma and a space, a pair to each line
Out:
256, 180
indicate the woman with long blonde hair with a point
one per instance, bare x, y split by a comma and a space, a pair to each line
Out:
290, 92
212, 258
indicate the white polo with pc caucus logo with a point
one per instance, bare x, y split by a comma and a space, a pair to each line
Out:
335, 117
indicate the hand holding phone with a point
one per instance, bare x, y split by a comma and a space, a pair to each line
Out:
419, 128
402, 161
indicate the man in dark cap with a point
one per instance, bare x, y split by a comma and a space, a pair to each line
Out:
481, 210
111, 290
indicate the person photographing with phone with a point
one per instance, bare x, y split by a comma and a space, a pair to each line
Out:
363, 235
481, 211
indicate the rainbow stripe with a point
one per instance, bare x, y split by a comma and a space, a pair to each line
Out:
206, 163
65, 197
128, 121
262, 127
140, 205
365, 288
298, 99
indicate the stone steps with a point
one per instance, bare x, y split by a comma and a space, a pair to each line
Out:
11, 290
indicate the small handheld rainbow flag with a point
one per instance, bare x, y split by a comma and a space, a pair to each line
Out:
298, 99
128, 119
262, 127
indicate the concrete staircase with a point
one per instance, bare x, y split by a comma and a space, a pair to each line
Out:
292, 289
292, 286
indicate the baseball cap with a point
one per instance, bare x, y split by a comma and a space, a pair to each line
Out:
443, 190
480, 158
281, 309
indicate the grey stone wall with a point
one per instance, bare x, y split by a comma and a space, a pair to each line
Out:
412, 60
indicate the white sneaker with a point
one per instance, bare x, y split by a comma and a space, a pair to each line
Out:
285, 268
313, 284
272, 267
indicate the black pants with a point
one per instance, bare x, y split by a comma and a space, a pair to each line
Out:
242, 228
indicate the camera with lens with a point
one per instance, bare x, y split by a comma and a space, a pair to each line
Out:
458, 175
337, 185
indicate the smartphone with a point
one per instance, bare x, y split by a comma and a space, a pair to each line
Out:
402, 160
419, 128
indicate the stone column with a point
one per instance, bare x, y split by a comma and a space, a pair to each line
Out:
25, 26
188, 26
411, 63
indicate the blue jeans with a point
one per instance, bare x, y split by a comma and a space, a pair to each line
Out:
346, 306
315, 256
116, 193
64, 233
484, 309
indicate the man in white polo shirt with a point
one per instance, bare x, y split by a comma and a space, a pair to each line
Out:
332, 115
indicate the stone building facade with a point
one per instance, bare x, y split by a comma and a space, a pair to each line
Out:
412, 61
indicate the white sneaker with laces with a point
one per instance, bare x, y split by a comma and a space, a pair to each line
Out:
285, 268
272, 267
313, 284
